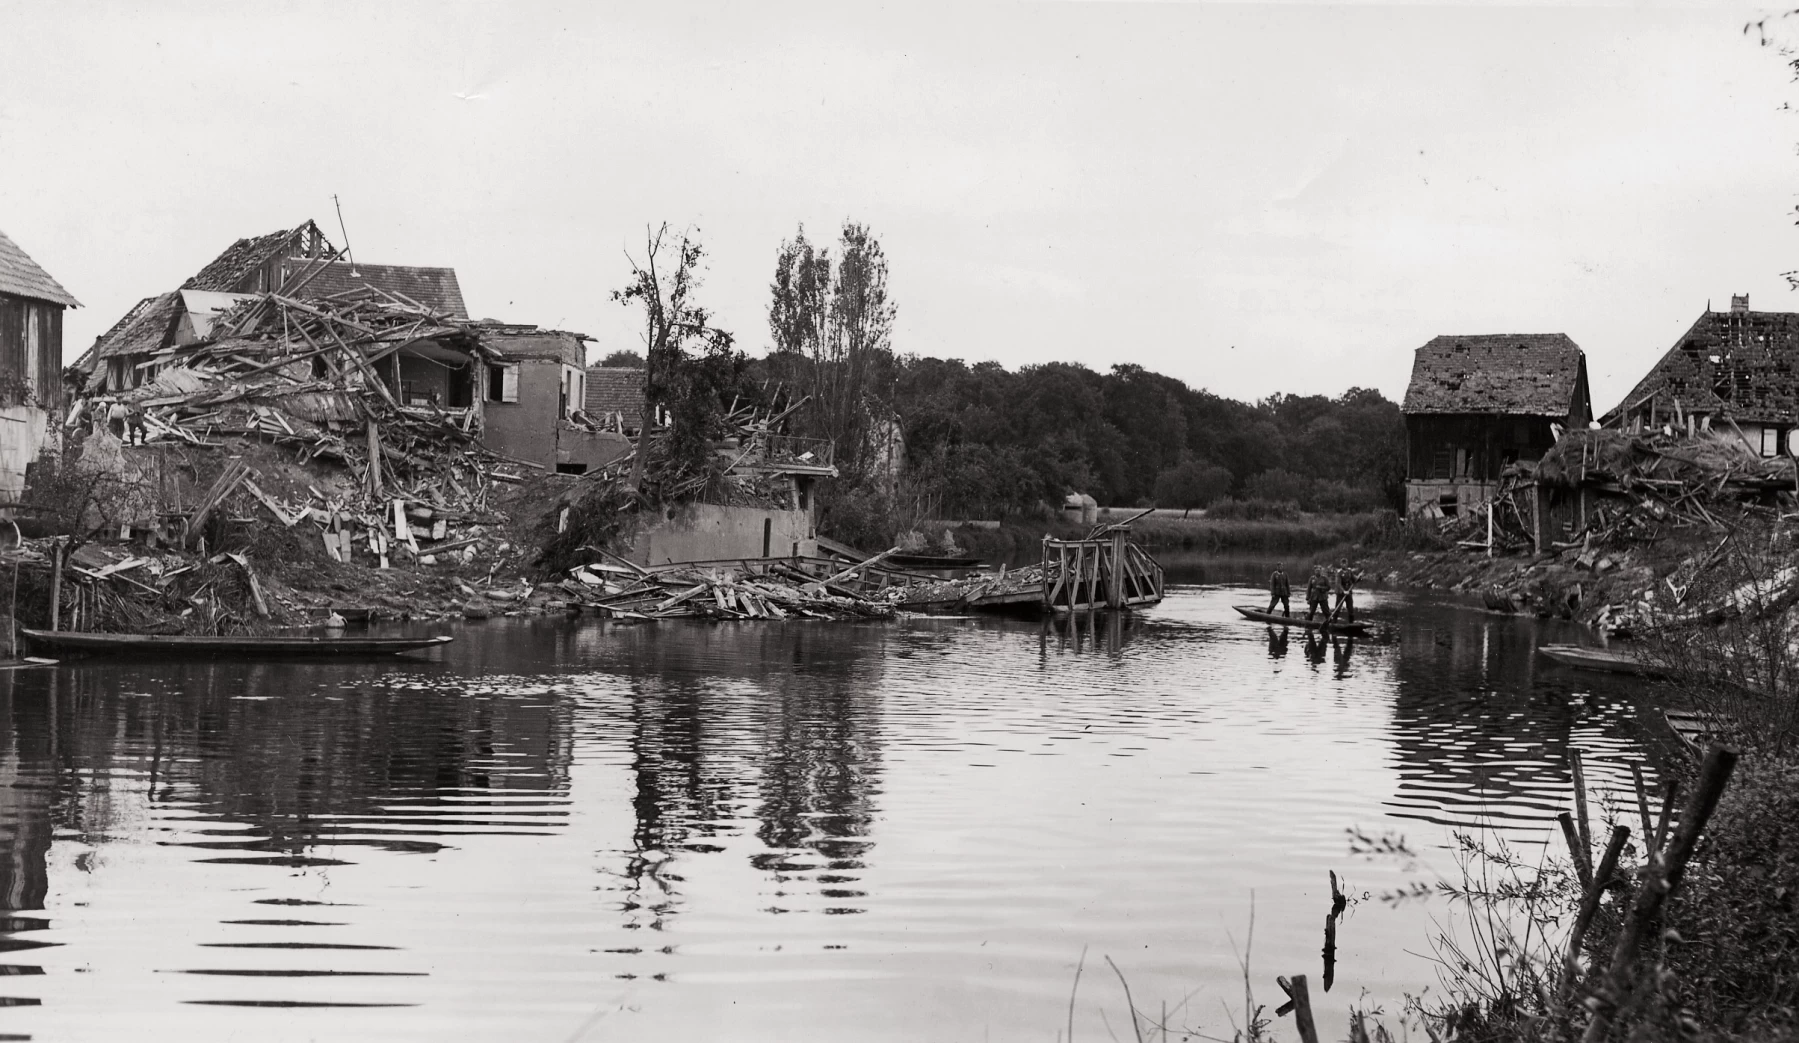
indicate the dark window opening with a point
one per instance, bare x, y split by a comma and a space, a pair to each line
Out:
571, 468
461, 392
496, 383
319, 369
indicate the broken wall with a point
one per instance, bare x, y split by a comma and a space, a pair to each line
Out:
709, 532
533, 429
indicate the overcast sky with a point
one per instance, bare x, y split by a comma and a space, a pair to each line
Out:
1255, 199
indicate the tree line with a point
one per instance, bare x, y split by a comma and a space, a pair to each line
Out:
928, 437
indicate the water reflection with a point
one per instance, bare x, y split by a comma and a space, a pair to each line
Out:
778, 720
753, 816
1081, 633
1482, 726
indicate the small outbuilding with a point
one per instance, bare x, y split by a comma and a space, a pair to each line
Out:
31, 393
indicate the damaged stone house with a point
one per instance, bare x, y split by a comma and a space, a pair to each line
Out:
537, 395
518, 387
1735, 371
1477, 404
31, 387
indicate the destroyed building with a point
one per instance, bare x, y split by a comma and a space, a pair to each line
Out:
1477, 404
1736, 371
31, 391
298, 263
536, 401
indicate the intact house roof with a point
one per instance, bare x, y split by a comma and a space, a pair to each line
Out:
1741, 364
21, 277
1514, 374
615, 389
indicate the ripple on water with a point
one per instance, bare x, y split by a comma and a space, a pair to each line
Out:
724, 823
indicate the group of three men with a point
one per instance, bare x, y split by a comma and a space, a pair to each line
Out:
1323, 587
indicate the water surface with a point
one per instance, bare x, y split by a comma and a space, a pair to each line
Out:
767, 831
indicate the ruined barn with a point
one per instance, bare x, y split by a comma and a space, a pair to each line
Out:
1477, 404
31, 307
1733, 371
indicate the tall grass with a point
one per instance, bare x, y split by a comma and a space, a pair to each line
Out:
1304, 532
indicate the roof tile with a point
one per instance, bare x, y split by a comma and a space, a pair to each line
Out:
21, 276
1521, 374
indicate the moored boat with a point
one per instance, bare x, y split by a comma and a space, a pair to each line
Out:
1301, 621
86, 643
1606, 659
1692, 729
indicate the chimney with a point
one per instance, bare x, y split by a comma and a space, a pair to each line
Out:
1739, 302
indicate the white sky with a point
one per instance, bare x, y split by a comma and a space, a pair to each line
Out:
1251, 198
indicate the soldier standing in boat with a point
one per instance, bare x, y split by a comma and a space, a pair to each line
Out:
1317, 593
1279, 591
1343, 590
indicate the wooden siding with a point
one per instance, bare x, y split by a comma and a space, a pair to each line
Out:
43, 373
1472, 446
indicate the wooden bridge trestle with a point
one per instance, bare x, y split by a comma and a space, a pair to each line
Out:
1104, 571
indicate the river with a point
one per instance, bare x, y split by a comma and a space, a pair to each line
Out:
911, 830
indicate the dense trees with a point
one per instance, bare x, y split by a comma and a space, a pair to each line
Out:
983, 441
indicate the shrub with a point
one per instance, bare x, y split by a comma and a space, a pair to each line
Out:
1254, 510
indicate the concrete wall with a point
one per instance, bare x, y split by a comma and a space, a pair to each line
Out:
23, 430
705, 531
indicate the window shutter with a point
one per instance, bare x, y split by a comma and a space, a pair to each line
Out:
509, 383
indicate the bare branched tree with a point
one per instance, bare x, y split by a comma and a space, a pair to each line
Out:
671, 320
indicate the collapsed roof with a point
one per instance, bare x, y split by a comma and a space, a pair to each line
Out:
1741, 364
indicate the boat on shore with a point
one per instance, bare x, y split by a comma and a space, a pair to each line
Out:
1350, 629
1693, 730
244, 645
1609, 660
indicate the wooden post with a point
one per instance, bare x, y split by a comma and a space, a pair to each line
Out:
56, 585
1580, 802
1489, 528
1115, 588
1663, 876
13, 614
1589, 904
1302, 1011
1636, 778
374, 471
1580, 854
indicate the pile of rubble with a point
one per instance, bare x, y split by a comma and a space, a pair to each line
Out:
814, 588
1641, 488
396, 481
